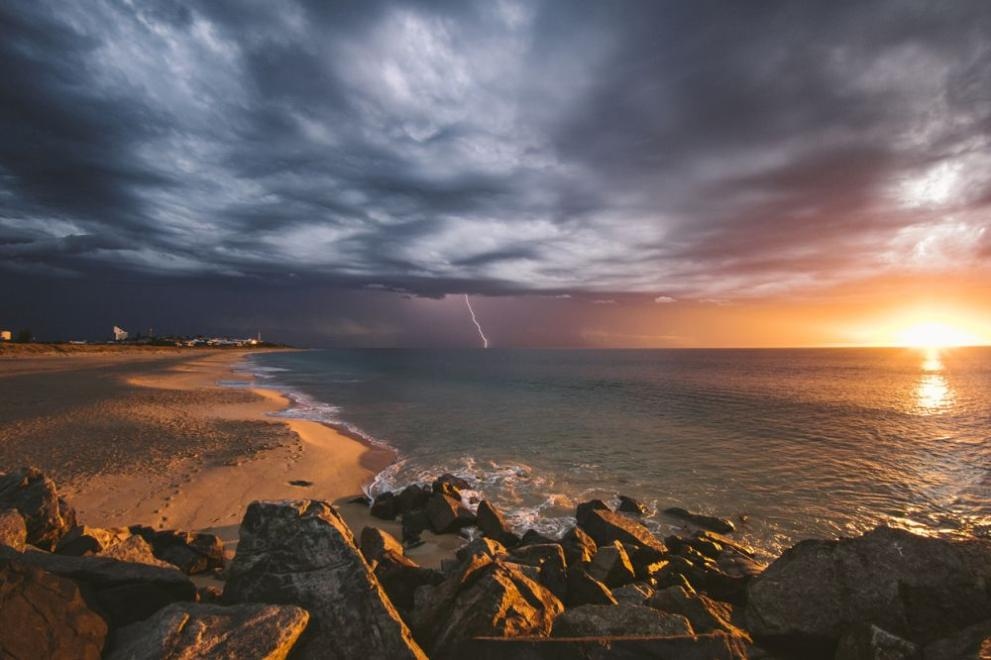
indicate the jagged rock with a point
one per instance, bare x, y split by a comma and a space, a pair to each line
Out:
736, 565
83, 540
412, 497
121, 592
915, 587
867, 641
498, 600
43, 615
450, 485
385, 506
375, 541
302, 553
714, 646
611, 565
493, 525
448, 514
646, 561
607, 526
134, 549
431, 603
726, 542
549, 559
617, 620
13, 531
635, 593
47, 517
705, 615
400, 577
533, 537
585, 508
191, 552
209, 594
481, 546
189, 630
630, 505
579, 547
414, 523
583, 589
721, 525
971, 643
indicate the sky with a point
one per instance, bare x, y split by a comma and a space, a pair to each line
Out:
599, 174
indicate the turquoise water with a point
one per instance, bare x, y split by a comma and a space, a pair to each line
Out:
789, 443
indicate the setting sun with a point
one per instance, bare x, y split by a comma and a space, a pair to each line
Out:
934, 335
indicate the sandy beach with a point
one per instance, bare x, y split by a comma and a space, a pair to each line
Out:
151, 437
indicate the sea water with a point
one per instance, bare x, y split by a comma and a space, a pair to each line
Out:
789, 444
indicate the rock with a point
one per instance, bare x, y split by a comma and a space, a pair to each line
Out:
630, 505
867, 641
400, 577
726, 542
549, 559
705, 615
915, 587
635, 593
47, 517
414, 523
579, 548
971, 643
385, 506
45, 616
302, 553
612, 566
82, 540
209, 594
481, 546
533, 537
583, 589
121, 592
412, 497
431, 603
715, 646
13, 531
646, 561
190, 630
605, 527
374, 542
447, 514
493, 525
448, 484
498, 601
618, 620
585, 508
721, 525
737, 565
360, 499
192, 552
134, 549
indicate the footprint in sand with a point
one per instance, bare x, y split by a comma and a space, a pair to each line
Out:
302, 483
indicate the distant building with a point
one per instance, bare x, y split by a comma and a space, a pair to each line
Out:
6, 335
120, 334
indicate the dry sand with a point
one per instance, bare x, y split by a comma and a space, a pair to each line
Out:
150, 437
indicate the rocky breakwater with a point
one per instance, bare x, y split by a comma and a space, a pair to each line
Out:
302, 585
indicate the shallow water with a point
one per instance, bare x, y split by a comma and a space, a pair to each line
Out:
789, 443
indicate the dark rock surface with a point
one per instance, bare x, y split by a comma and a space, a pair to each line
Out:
715, 646
606, 527
583, 589
971, 643
400, 577
705, 614
611, 566
481, 547
375, 542
915, 587
579, 547
302, 553
630, 505
549, 559
192, 552
412, 497
385, 506
635, 593
43, 615
494, 525
13, 531
867, 641
121, 592
585, 508
449, 484
47, 517
191, 630
414, 523
618, 620
448, 514
721, 525
533, 537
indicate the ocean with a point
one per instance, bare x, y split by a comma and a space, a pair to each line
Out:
789, 443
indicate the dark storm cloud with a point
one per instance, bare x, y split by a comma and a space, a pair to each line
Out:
704, 149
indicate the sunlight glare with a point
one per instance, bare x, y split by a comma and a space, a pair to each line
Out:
934, 335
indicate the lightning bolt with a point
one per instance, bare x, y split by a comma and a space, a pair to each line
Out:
485, 341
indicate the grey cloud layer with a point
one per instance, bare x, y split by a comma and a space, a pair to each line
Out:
700, 149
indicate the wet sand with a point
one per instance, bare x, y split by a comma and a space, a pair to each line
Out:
150, 437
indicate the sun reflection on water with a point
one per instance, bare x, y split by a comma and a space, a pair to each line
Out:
933, 393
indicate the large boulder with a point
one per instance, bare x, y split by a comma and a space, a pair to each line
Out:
635, 593
585, 508
630, 505
720, 525
448, 514
13, 531
705, 614
121, 592
579, 547
867, 641
481, 546
412, 497
549, 559
385, 506
302, 553
375, 542
45, 616
448, 484
189, 630
612, 566
191, 552
606, 526
714, 646
915, 587
400, 577
971, 643
497, 600
115, 543
47, 517
583, 589
618, 620
494, 525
